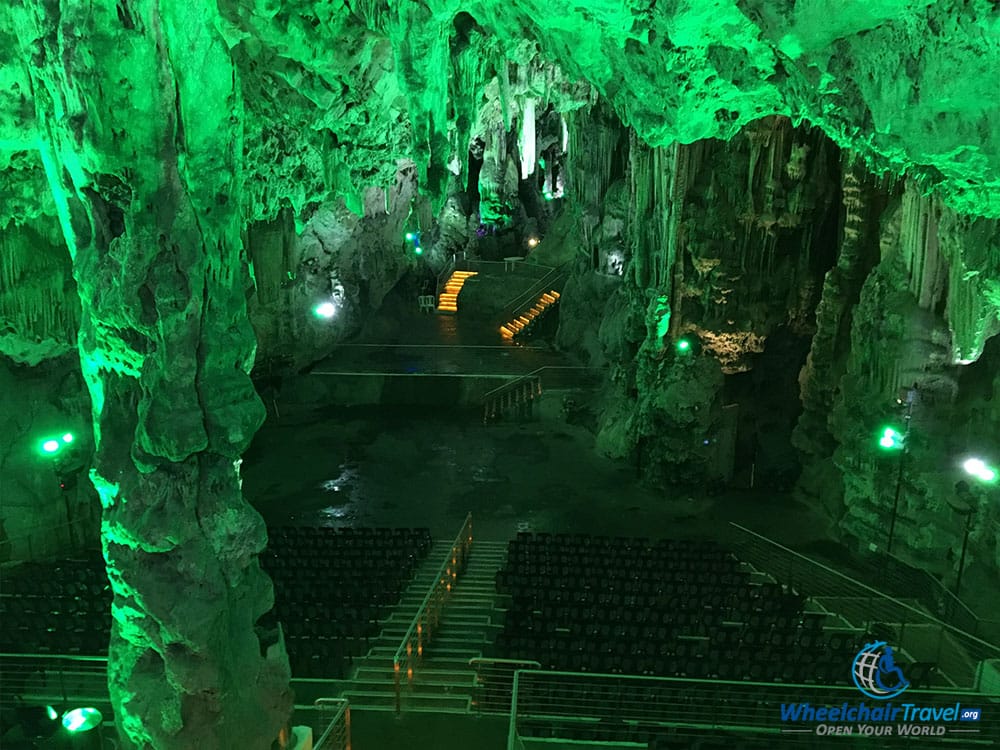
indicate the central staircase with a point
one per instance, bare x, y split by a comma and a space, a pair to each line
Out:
444, 682
448, 300
521, 323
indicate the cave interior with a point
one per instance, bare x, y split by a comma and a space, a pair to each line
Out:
716, 277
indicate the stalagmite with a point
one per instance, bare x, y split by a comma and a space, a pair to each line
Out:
166, 349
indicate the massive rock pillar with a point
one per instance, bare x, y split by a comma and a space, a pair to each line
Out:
139, 118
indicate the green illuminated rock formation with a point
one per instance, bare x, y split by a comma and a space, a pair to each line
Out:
735, 171
150, 203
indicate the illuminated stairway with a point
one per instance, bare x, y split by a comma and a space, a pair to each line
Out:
448, 301
446, 681
517, 325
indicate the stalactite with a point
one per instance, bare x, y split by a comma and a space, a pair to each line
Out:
37, 299
469, 79
527, 142
919, 245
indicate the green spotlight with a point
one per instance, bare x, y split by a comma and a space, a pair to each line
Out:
891, 439
68, 437
683, 346
81, 719
979, 469
417, 250
50, 446
51, 713
325, 310
410, 236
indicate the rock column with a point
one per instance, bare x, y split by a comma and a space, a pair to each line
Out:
139, 116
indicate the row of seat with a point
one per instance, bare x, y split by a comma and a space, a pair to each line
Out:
64, 606
333, 586
320, 536
558, 542
740, 601
673, 608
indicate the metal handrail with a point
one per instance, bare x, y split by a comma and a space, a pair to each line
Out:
515, 305
681, 703
445, 273
43, 657
446, 578
952, 607
341, 711
496, 676
534, 373
869, 592
56, 676
581, 700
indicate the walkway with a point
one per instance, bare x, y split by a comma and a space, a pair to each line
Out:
438, 359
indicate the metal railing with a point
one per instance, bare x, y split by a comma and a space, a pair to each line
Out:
464, 264
555, 376
53, 678
515, 394
335, 718
526, 299
624, 709
425, 622
923, 635
442, 278
895, 574
494, 684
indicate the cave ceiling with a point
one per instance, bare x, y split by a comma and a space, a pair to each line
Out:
335, 93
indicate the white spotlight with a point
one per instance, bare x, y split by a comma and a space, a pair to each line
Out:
325, 310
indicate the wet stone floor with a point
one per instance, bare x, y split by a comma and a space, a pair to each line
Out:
384, 467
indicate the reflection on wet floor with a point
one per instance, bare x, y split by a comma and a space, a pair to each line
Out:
381, 467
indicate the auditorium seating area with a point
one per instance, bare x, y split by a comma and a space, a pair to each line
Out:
58, 607
668, 608
332, 586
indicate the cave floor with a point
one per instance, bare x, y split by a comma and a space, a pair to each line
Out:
383, 467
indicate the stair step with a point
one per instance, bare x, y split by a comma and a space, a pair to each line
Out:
434, 662
363, 701
443, 654
426, 673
